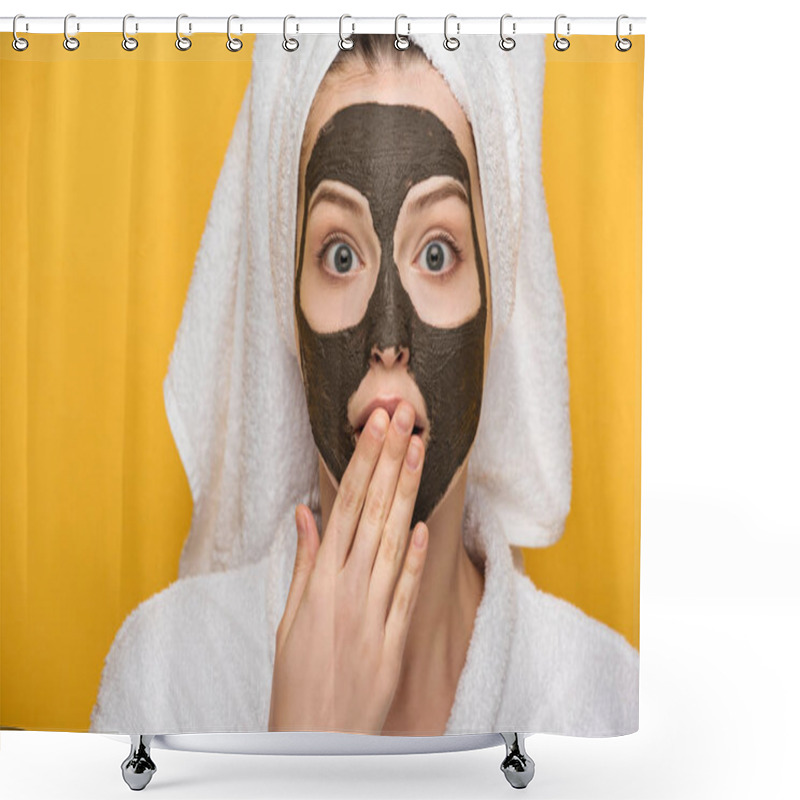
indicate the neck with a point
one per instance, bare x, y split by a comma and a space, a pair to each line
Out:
449, 595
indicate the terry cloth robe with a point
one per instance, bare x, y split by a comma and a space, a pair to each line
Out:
197, 657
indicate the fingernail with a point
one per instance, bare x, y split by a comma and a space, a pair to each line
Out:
379, 425
419, 535
413, 454
405, 418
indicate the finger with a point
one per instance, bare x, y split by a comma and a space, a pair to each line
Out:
353, 489
405, 594
307, 546
380, 494
396, 531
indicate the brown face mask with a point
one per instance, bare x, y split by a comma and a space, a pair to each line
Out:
383, 150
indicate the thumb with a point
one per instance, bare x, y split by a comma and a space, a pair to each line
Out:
307, 546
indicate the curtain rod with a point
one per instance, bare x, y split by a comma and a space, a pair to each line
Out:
457, 26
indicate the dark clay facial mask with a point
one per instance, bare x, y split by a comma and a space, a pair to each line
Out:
383, 150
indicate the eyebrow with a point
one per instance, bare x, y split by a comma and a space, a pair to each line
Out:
452, 188
331, 195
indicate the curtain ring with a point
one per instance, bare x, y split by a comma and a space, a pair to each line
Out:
345, 42
18, 43
289, 42
507, 42
70, 42
128, 42
623, 45
451, 42
233, 44
400, 42
182, 42
560, 42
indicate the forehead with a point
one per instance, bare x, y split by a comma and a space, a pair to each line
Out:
419, 84
382, 149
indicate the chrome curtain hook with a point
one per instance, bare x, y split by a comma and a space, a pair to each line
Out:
451, 42
401, 42
18, 43
623, 45
560, 42
233, 44
128, 42
345, 42
182, 42
507, 42
70, 42
289, 42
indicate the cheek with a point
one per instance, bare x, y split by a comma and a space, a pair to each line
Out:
448, 302
448, 299
331, 300
332, 304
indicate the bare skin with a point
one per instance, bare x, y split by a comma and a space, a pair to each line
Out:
375, 632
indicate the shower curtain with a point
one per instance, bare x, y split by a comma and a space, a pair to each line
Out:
321, 376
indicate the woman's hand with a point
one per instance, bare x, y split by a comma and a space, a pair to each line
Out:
339, 645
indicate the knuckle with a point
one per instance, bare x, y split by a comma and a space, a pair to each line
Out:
375, 506
348, 493
413, 564
390, 547
397, 446
408, 486
402, 601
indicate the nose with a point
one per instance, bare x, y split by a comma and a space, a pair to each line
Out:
389, 356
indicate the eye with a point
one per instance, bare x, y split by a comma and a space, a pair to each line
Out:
340, 258
439, 255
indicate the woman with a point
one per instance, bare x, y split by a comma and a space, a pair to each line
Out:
393, 326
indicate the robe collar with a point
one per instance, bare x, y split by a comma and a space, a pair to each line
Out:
483, 678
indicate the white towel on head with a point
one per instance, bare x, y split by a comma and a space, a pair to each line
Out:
234, 393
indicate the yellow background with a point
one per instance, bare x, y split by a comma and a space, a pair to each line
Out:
108, 167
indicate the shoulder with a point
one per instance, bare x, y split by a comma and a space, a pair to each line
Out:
202, 637
577, 675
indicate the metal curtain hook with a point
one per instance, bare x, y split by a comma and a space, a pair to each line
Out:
401, 42
451, 42
623, 45
18, 43
560, 42
128, 42
70, 42
345, 42
233, 44
289, 42
182, 42
507, 42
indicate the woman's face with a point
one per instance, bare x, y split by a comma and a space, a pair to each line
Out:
392, 282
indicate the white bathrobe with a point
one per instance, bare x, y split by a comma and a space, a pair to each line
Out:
197, 657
